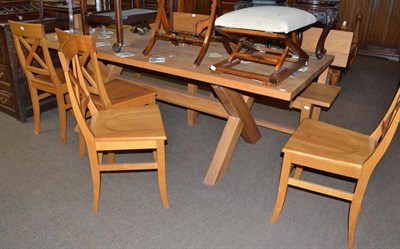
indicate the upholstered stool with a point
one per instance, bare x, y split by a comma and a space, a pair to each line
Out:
265, 24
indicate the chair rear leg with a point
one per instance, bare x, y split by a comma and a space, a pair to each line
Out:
36, 110
299, 170
111, 157
62, 116
283, 185
82, 144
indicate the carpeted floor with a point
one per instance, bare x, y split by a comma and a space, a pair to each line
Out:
46, 192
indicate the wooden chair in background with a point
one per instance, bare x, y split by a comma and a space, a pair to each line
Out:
191, 29
338, 151
337, 43
43, 78
335, 73
122, 129
106, 93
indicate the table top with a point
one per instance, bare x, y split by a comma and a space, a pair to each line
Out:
179, 62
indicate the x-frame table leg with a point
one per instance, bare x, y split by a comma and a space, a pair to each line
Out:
240, 122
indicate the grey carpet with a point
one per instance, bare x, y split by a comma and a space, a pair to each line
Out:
46, 192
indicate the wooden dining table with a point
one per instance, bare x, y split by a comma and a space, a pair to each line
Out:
234, 95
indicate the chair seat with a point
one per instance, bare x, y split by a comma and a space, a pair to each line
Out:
130, 123
123, 93
46, 80
331, 144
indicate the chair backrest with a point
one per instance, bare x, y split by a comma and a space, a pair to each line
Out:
383, 134
81, 100
90, 66
357, 30
337, 43
32, 51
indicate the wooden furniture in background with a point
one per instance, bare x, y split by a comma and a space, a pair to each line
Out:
379, 35
337, 43
337, 151
335, 73
355, 42
240, 4
194, 6
327, 15
122, 129
203, 30
106, 93
43, 78
227, 5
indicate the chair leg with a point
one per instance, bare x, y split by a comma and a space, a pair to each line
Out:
36, 110
335, 76
299, 170
355, 209
162, 185
62, 116
111, 157
82, 144
283, 185
95, 179
353, 215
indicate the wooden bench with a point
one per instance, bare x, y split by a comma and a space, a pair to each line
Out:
316, 95
309, 102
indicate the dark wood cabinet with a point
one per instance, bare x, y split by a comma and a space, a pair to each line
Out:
8, 99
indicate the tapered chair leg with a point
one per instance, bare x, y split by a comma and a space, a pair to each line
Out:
355, 209
162, 184
96, 189
36, 110
82, 144
297, 173
283, 185
111, 157
62, 116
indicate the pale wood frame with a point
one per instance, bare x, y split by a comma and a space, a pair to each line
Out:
36, 62
355, 156
132, 128
106, 93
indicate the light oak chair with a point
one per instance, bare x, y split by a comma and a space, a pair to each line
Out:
106, 92
122, 129
43, 78
338, 151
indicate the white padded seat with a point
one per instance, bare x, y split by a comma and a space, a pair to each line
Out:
278, 19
